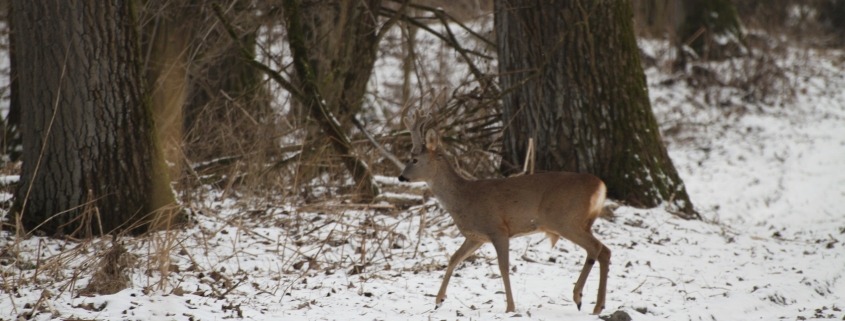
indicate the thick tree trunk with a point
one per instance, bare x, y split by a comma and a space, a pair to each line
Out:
342, 41
574, 83
90, 161
319, 108
11, 124
166, 40
227, 100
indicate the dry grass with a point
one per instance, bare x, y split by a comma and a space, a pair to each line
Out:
112, 274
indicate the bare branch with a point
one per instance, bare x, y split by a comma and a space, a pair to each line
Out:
386, 12
440, 12
275, 75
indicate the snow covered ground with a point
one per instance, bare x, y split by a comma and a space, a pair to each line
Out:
769, 180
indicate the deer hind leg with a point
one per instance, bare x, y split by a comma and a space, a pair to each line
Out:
604, 265
468, 247
595, 251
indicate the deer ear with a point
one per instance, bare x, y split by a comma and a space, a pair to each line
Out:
431, 140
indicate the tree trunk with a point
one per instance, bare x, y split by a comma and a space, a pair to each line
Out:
342, 41
573, 81
166, 40
11, 124
90, 161
227, 100
318, 107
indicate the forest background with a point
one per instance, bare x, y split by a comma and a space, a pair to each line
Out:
224, 154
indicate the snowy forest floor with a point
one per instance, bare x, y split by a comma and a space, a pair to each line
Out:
767, 174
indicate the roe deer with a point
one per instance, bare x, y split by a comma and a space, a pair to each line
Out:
559, 204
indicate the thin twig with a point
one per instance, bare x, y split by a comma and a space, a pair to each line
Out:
389, 13
456, 21
390, 21
384, 152
479, 76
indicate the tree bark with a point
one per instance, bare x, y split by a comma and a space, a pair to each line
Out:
573, 81
91, 164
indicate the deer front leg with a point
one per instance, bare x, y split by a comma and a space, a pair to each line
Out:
502, 246
462, 253
577, 293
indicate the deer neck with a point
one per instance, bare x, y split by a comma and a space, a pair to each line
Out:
446, 184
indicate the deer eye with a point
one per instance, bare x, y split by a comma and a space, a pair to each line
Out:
414, 161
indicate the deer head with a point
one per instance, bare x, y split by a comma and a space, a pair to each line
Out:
425, 140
